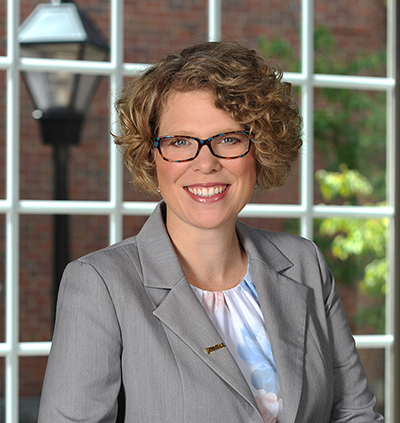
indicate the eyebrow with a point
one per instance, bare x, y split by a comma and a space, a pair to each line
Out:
183, 134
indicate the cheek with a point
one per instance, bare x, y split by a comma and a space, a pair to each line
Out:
250, 167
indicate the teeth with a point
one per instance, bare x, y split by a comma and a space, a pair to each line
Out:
207, 192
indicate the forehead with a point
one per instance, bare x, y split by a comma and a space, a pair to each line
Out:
194, 113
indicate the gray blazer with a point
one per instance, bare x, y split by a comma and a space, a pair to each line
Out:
130, 338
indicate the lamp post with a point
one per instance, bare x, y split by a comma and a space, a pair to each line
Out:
59, 30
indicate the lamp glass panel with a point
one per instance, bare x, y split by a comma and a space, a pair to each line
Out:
50, 90
92, 52
61, 51
85, 86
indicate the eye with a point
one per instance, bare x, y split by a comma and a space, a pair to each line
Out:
230, 140
179, 142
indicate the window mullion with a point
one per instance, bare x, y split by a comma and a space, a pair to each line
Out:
116, 82
12, 217
307, 108
214, 20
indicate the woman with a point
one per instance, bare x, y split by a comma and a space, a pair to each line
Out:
200, 317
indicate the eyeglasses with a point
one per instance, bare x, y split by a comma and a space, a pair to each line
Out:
181, 148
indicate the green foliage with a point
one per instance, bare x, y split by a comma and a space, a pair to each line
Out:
350, 138
347, 184
363, 239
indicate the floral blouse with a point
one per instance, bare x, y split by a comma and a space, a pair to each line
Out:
237, 316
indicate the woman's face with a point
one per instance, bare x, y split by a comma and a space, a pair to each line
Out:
207, 192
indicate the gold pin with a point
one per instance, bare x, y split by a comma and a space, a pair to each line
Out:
209, 350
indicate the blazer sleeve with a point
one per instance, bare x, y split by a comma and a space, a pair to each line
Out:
83, 375
353, 401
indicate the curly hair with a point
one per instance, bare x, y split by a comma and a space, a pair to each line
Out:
241, 82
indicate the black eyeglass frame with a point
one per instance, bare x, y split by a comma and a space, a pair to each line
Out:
201, 143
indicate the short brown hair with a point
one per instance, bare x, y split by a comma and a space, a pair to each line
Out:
241, 82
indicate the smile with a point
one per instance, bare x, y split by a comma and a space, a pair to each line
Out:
207, 192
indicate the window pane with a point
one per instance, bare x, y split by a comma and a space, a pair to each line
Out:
88, 234
273, 224
355, 250
89, 161
133, 224
273, 28
3, 29
2, 390
288, 194
31, 374
2, 280
3, 112
350, 38
133, 194
154, 29
36, 290
38, 283
350, 147
86, 163
374, 364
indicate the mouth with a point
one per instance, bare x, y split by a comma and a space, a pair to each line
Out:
206, 192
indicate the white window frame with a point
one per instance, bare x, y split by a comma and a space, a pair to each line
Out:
12, 207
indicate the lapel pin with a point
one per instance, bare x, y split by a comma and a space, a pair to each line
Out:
209, 350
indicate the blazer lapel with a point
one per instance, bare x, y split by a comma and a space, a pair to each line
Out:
182, 312
177, 307
283, 303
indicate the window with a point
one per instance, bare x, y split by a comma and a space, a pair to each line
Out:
339, 57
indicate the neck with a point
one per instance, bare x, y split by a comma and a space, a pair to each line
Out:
212, 259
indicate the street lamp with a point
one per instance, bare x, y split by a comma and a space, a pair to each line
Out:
59, 30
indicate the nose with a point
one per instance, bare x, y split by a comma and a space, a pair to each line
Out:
206, 162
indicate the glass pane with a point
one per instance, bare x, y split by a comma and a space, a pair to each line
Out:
132, 225
89, 171
133, 194
3, 134
350, 147
31, 374
355, 250
273, 29
38, 279
166, 25
273, 224
87, 163
36, 289
350, 38
374, 364
129, 192
2, 390
88, 234
288, 194
3, 30
2, 278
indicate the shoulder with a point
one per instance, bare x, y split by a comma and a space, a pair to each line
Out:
110, 262
123, 248
299, 258
289, 244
